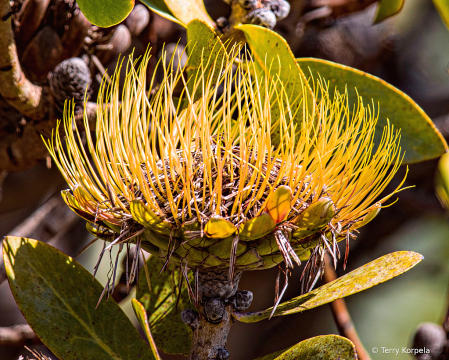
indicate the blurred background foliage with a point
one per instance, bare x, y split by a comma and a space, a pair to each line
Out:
411, 52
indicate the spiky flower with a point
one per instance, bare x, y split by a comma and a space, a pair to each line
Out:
202, 183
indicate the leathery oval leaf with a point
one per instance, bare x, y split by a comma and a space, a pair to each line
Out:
146, 217
279, 203
169, 332
273, 54
106, 13
141, 315
362, 278
58, 298
313, 218
181, 12
443, 9
257, 227
206, 54
322, 347
218, 227
420, 140
387, 9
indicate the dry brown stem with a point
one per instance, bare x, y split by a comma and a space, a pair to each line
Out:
15, 87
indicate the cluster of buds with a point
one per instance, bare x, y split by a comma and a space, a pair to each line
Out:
202, 184
258, 12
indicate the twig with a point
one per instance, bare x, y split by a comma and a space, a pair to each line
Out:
341, 315
26, 97
18, 336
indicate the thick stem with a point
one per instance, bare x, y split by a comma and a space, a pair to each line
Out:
209, 340
14, 86
217, 300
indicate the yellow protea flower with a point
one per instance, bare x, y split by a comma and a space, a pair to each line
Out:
202, 183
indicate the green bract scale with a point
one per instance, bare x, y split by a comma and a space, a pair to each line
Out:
190, 171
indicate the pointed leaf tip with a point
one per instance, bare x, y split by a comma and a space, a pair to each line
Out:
362, 278
387, 9
141, 315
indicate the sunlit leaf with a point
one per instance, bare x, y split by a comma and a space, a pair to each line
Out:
419, 137
58, 298
141, 315
181, 12
170, 334
206, 54
324, 347
362, 278
387, 8
270, 50
105, 13
442, 181
443, 8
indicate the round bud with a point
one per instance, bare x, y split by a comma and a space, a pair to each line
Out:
262, 17
222, 22
430, 336
222, 354
69, 80
214, 310
243, 299
189, 317
280, 8
248, 4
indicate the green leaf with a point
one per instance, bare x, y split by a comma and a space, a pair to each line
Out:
180, 11
106, 13
58, 297
206, 54
323, 347
387, 8
442, 181
272, 53
141, 315
419, 137
443, 9
362, 278
170, 333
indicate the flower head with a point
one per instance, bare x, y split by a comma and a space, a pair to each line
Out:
227, 173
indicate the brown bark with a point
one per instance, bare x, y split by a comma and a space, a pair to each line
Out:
15, 87
209, 340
